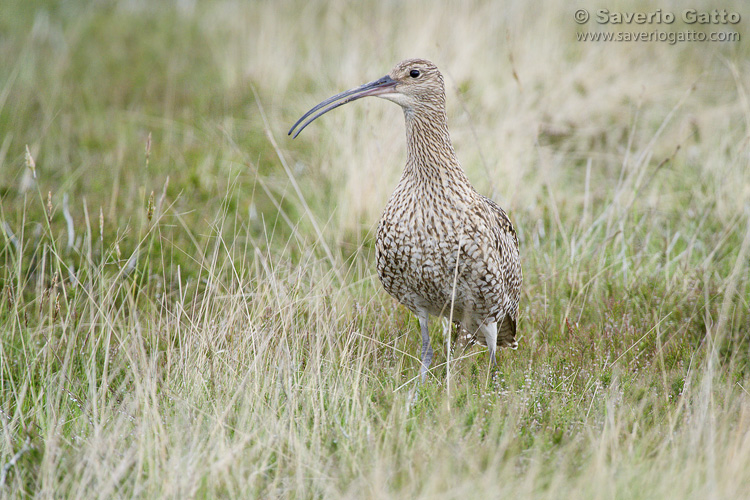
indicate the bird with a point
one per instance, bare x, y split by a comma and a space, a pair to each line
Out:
442, 249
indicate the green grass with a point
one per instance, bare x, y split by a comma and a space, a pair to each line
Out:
188, 302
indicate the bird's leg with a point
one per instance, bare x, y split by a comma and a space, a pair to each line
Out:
426, 347
490, 336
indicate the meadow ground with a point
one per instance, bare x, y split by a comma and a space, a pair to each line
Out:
188, 299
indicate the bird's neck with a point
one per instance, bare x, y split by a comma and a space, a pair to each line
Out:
428, 145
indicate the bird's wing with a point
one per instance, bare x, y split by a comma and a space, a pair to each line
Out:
502, 221
506, 244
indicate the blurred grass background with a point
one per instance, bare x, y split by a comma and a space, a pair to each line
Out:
189, 305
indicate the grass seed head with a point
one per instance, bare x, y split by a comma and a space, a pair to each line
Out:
30, 163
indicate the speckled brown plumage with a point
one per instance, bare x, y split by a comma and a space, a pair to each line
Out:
443, 249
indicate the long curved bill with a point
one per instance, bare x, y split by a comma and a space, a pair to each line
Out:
380, 86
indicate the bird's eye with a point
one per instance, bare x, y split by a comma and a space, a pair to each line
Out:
414, 73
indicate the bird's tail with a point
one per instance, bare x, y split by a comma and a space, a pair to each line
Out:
506, 335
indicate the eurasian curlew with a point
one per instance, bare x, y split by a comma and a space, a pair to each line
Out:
442, 248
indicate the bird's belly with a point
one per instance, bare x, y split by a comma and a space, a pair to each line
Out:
420, 272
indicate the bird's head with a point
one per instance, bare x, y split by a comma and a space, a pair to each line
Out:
413, 84
417, 82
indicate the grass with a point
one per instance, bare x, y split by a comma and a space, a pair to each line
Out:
188, 301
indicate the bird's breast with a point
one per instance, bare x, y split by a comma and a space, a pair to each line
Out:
435, 250
417, 247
